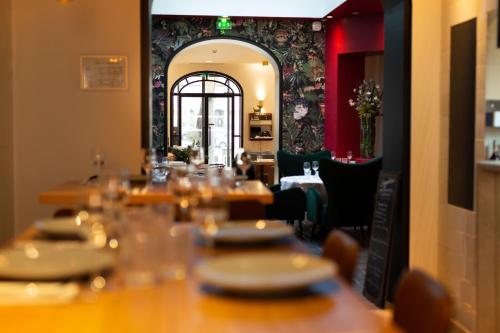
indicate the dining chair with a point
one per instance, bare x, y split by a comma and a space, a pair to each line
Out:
421, 304
288, 205
344, 250
351, 192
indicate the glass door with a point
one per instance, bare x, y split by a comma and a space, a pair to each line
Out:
192, 121
219, 145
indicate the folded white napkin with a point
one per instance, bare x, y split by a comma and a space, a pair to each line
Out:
31, 293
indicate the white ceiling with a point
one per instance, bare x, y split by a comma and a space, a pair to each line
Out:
253, 8
226, 53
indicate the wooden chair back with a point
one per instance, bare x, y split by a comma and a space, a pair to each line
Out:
344, 250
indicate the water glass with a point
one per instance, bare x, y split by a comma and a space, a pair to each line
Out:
197, 156
315, 167
307, 168
349, 156
143, 246
179, 246
160, 170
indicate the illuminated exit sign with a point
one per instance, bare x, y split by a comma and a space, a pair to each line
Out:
224, 23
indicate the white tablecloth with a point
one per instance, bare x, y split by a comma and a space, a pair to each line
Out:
305, 183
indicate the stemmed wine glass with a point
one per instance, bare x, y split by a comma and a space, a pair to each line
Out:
148, 164
307, 168
98, 161
349, 156
242, 162
197, 156
315, 167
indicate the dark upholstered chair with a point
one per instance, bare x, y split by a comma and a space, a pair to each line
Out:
421, 304
289, 205
351, 192
293, 164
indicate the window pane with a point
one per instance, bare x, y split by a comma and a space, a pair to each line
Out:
194, 87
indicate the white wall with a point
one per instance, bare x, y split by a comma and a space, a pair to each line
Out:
442, 237
56, 125
6, 122
252, 78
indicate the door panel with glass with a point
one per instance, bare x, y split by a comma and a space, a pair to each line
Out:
206, 111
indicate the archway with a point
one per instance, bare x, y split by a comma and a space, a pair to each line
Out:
255, 67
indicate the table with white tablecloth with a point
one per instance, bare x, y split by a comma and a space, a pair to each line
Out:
305, 183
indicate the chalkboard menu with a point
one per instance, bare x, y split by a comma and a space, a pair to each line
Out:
380, 239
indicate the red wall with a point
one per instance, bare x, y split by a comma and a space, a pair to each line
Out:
347, 41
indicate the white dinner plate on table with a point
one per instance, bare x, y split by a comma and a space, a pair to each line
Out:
251, 231
62, 227
52, 263
265, 271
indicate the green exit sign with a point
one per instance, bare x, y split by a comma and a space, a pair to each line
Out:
224, 23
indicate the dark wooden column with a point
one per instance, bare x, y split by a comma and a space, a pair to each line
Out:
397, 123
146, 88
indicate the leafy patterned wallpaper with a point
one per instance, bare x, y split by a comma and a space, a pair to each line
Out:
292, 41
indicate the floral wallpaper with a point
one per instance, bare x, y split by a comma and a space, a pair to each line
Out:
292, 41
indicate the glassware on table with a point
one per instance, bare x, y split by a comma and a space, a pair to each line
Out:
307, 168
160, 170
243, 163
333, 155
98, 161
197, 156
349, 156
179, 246
143, 245
315, 167
150, 158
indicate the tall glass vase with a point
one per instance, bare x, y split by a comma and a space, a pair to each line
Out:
367, 139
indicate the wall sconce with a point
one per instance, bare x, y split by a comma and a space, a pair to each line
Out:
258, 108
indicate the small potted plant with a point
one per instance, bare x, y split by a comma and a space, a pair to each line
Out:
368, 104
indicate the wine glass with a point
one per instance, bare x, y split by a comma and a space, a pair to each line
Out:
307, 168
349, 156
197, 156
160, 169
149, 162
243, 162
333, 155
98, 161
315, 167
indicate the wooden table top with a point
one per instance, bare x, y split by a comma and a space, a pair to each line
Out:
69, 194
182, 306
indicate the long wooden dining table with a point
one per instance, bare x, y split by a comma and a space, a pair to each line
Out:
70, 193
186, 307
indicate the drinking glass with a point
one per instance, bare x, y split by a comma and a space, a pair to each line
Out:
150, 159
160, 170
179, 245
143, 246
349, 156
98, 161
243, 162
333, 155
197, 156
307, 168
315, 167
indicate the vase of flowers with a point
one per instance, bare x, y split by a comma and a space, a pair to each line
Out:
367, 103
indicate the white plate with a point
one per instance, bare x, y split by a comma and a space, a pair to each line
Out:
265, 271
251, 231
62, 227
52, 263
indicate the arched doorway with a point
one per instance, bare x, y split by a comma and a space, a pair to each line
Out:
256, 71
207, 111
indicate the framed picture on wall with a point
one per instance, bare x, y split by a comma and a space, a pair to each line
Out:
104, 72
